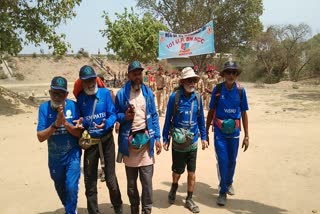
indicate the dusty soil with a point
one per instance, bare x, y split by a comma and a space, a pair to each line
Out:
279, 173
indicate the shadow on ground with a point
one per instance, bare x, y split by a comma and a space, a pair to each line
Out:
206, 195
310, 96
104, 208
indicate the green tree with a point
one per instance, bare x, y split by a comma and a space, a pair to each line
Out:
133, 38
236, 22
313, 55
33, 21
282, 49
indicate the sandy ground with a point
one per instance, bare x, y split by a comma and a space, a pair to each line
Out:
279, 173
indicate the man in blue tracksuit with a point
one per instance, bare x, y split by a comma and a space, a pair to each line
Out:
138, 134
55, 120
184, 113
228, 106
99, 115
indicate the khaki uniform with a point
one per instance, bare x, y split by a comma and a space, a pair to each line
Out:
200, 86
174, 82
160, 86
167, 91
209, 84
152, 82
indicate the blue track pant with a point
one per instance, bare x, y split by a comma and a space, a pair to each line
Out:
226, 154
66, 181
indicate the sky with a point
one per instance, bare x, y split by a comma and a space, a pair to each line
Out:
83, 30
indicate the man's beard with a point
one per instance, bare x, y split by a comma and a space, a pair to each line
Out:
91, 91
135, 86
189, 89
55, 105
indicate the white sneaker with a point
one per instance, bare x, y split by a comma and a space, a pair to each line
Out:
230, 190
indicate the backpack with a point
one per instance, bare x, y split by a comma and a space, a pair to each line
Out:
177, 99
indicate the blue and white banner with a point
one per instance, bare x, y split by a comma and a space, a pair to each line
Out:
199, 42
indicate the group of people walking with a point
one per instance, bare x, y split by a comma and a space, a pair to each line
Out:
88, 123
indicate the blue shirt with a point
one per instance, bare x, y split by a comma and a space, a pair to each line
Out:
229, 106
182, 116
61, 144
104, 110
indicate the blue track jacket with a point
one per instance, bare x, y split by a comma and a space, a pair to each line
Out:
182, 116
104, 110
122, 103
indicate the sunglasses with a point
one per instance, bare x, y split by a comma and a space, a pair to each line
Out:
229, 72
191, 80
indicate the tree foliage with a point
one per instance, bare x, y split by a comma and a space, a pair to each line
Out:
236, 21
283, 49
133, 38
33, 21
313, 55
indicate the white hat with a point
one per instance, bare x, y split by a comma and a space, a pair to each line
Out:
188, 72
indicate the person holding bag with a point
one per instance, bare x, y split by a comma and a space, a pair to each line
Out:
139, 132
228, 105
99, 116
184, 119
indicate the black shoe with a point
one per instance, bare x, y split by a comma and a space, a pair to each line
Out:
172, 196
222, 199
118, 209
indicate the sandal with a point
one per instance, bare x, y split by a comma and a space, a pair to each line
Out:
192, 206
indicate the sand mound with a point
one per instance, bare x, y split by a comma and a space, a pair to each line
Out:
42, 69
13, 103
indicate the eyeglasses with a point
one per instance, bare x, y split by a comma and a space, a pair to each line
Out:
191, 80
58, 94
229, 72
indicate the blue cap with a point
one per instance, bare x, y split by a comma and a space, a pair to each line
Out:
135, 65
87, 72
59, 83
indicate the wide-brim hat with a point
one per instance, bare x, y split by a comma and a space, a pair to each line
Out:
231, 65
187, 73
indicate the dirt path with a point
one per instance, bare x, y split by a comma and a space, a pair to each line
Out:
278, 174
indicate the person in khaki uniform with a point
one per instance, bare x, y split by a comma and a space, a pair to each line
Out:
174, 82
152, 81
167, 90
160, 86
204, 78
200, 85
210, 82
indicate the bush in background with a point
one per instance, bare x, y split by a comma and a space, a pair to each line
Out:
57, 58
3, 75
19, 76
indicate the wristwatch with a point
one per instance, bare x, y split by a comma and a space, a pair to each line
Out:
53, 125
